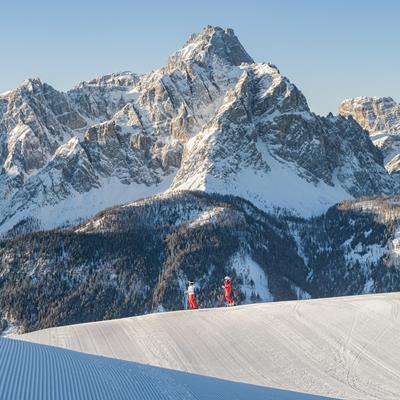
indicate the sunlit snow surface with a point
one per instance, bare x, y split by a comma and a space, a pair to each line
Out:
36, 372
346, 348
85, 205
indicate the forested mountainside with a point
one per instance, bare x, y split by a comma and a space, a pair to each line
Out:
137, 258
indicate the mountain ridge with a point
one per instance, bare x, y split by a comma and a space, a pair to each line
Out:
130, 135
380, 117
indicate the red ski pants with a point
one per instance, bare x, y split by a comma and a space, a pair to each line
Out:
228, 297
192, 301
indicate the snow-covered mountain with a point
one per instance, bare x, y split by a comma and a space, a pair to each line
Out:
211, 120
265, 145
380, 116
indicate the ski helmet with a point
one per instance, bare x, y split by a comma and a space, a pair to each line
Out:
227, 278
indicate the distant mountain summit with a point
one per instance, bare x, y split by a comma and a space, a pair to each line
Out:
210, 45
373, 113
380, 116
212, 119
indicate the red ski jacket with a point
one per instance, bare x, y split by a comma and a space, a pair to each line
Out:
228, 291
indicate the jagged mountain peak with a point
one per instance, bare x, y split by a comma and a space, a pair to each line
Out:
374, 114
31, 85
209, 43
27, 86
371, 105
380, 116
31, 81
123, 78
211, 120
35, 88
370, 99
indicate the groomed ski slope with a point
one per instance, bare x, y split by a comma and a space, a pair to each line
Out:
345, 347
31, 371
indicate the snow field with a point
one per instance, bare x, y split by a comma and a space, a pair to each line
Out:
345, 347
35, 372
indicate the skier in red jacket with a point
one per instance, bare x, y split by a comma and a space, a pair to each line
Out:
191, 296
228, 291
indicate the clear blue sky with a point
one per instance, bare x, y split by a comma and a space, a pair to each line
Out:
330, 49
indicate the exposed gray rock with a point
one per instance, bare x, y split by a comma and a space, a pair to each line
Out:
36, 120
380, 116
374, 114
264, 123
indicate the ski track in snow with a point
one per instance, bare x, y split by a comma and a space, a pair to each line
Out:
36, 372
346, 347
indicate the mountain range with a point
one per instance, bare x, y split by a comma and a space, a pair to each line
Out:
212, 120
118, 191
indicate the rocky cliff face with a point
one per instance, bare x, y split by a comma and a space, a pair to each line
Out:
264, 144
374, 114
211, 120
380, 116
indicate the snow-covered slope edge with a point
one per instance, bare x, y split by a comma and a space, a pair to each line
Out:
345, 347
36, 372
